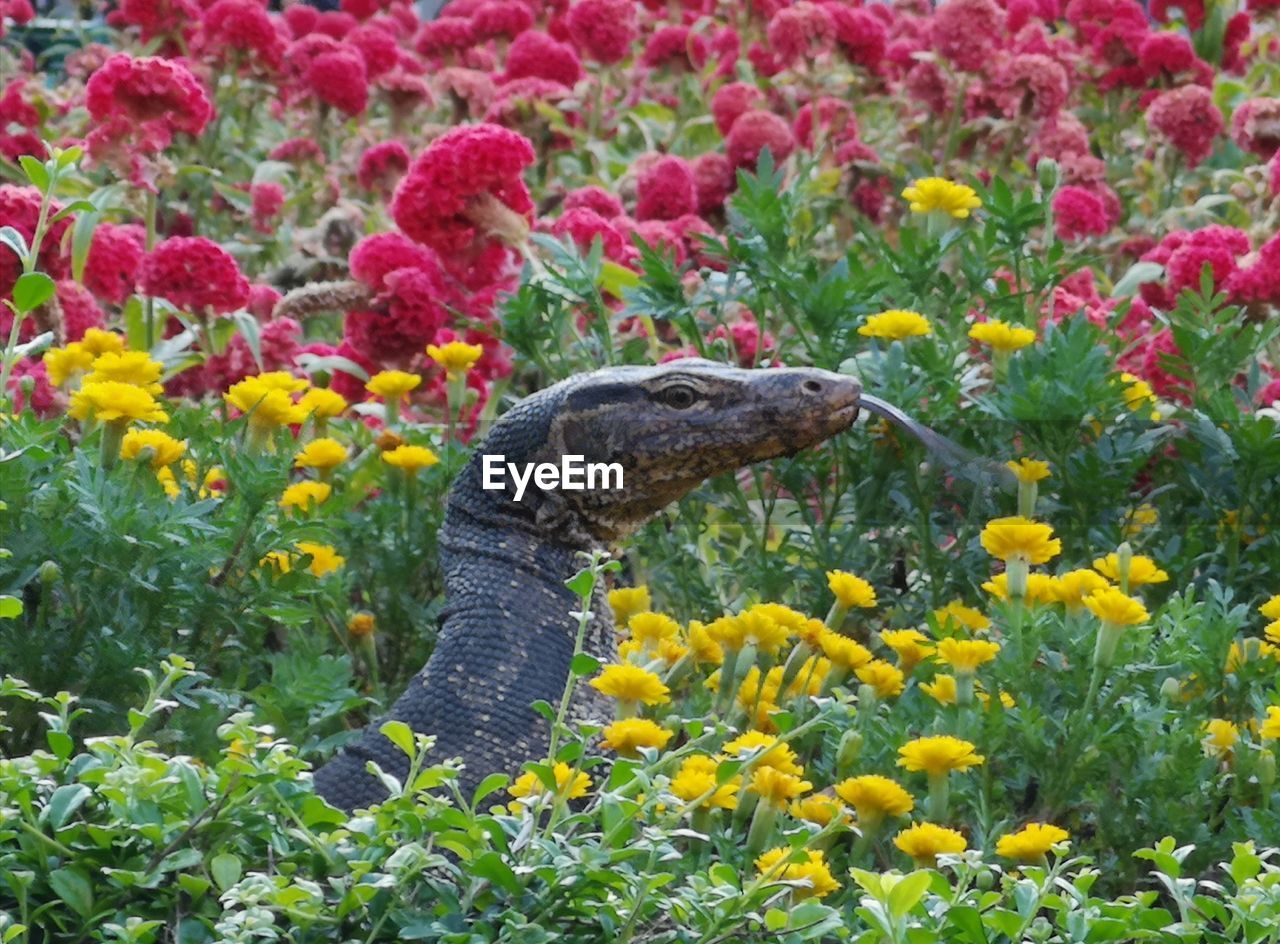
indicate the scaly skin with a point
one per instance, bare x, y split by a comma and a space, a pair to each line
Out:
508, 636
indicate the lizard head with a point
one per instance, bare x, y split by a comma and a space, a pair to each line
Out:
666, 429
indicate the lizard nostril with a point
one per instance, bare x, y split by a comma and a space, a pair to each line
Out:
812, 386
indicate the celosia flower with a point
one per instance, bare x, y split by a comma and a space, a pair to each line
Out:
965, 655
534, 54
630, 684
410, 459
1021, 539
874, 797
305, 495
382, 166
887, 680
697, 778
1078, 213
145, 99
115, 255
1000, 336
456, 357
1142, 570
114, 402
602, 30
937, 194
322, 454
754, 131
1116, 608
924, 842
1188, 119
777, 788
812, 870
162, 448
242, 30
666, 190
1031, 843
628, 736
851, 591
392, 384
895, 325
195, 274
938, 755
339, 78
910, 646
675, 46
570, 785
1220, 738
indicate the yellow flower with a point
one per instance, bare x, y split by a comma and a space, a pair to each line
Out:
392, 384
895, 325
324, 558
96, 342
930, 194
705, 649
164, 448
1271, 609
628, 736
697, 776
1249, 650
924, 842
874, 797
1031, 843
1270, 730
456, 357
168, 481
727, 632
792, 620
1137, 394
569, 785
281, 561
820, 809
321, 454
1021, 539
851, 591
965, 655
942, 689
911, 646
305, 495
322, 403
1005, 699
1142, 570
650, 629
1040, 588
767, 633
938, 755
63, 363
844, 652
131, 367
410, 458
957, 614
268, 407
777, 755
361, 624
777, 788
282, 380
1029, 471
1118, 609
630, 683
1272, 631
1000, 336
1141, 518
812, 870
1072, 587
886, 679
110, 401
1220, 738
626, 602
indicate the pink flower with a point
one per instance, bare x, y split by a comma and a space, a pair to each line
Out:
967, 32
835, 117
195, 274
749, 343
242, 29
602, 30
1033, 84
666, 190
714, 179
1255, 127
115, 253
268, 201
335, 23
80, 311
339, 79
1191, 11
500, 19
1061, 135
20, 208
382, 166
594, 198
375, 257
154, 18
731, 100
29, 375
378, 47
537, 55
446, 35
1166, 54
465, 188
801, 32
675, 47
301, 19
860, 34
404, 317
584, 227
262, 301
1188, 119
752, 133
1077, 213
150, 99
297, 151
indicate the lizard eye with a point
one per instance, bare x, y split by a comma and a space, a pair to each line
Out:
678, 396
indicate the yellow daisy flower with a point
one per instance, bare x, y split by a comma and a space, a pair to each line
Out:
1002, 337
924, 842
812, 870
1019, 538
896, 324
938, 755
163, 448
1031, 843
626, 737
937, 194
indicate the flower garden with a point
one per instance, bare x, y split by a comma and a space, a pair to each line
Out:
268, 275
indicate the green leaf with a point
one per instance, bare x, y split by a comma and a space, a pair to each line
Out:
488, 785
81, 239
14, 240
314, 364
226, 870
968, 921
73, 888
10, 606
35, 172
61, 743
490, 866
582, 583
70, 155
32, 290
80, 206
907, 893
775, 919
584, 664
249, 330
64, 802
1138, 273
194, 885
401, 735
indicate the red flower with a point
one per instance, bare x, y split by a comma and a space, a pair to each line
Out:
268, 201
500, 19
860, 34
339, 79
666, 190
755, 131
465, 188
1061, 135
1255, 127
801, 32
79, 310
335, 23
1033, 84
731, 101
153, 97
262, 301
20, 208
158, 17
537, 55
297, 151
195, 274
301, 19
375, 257
714, 179
656, 235
444, 36
361, 9
584, 226
404, 317
1165, 54
378, 47
602, 30
242, 29
834, 115
382, 166
677, 47
1188, 119
1192, 11
115, 254
594, 198
1077, 213
29, 375
967, 32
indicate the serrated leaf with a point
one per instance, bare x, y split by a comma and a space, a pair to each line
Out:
32, 290
401, 735
226, 870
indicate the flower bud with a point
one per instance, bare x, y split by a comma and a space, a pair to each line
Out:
1266, 769
361, 624
849, 750
1171, 690
49, 573
1124, 561
1048, 174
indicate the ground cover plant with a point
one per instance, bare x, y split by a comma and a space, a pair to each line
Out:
268, 275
